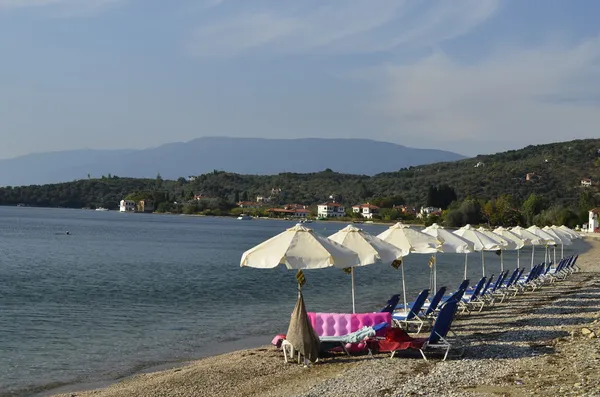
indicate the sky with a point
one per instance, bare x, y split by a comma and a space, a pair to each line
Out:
469, 76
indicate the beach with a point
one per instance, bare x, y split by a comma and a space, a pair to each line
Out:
533, 344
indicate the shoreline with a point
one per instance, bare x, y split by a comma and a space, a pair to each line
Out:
261, 371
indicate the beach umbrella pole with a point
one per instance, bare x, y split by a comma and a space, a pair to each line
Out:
352, 276
482, 264
466, 260
518, 258
434, 273
532, 254
562, 251
555, 254
403, 286
502, 261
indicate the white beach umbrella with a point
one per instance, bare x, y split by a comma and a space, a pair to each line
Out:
299, 248
568, 230
529, 238
481, 242
517, 241
505, 244
561, 237
546, 238
370, 249
409, 241
450, 242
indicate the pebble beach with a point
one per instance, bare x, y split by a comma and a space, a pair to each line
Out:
541, 343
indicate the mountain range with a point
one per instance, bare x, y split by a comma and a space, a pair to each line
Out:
239, 155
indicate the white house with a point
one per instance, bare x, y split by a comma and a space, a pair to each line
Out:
593, 221
127, 206
586, 182
367, 210
330, 210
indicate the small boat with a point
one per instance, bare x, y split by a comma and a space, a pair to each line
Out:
244, 217
101, 209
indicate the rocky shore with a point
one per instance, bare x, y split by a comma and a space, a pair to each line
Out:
542, 343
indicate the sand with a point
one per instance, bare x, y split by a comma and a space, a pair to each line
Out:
531, 345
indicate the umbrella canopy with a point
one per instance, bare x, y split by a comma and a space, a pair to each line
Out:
528, 237
546, 238
560, 236
409, 240
370, 249
481, 242
299, 248
450, 242
504, 243
516, 241
570, 231
525, 235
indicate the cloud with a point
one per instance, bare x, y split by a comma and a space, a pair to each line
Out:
343, 26
514, 97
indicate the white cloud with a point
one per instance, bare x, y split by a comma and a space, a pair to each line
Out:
515, 97
348, 26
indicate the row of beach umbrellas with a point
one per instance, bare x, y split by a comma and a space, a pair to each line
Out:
301, 248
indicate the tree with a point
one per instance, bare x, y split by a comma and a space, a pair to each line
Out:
533, 206
440, 197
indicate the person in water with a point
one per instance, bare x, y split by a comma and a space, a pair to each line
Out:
68, 232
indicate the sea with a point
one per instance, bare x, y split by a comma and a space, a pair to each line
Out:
123, 293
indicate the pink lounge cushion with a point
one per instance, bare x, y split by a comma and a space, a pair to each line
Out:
338, 324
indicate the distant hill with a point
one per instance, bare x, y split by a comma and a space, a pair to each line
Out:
237, 155
554, 172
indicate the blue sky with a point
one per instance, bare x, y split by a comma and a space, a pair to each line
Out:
471, 76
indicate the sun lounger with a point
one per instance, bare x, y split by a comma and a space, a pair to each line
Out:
330, 342
391, 304
471, 296
479, 301
397, 341
412, 316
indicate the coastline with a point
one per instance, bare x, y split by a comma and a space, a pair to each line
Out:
531, 345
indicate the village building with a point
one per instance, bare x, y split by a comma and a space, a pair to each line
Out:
366, 210
127, 206
593, 221
331, 210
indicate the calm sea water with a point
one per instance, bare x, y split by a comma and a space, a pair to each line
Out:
123, 292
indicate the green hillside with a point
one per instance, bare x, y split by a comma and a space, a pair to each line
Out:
490, 183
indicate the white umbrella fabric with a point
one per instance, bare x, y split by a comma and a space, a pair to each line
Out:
504, 243
481, 242
528, 237
299, 248
409, 241
450, 242
370, 249
512, 237
568, 230
561, 237
546, 239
